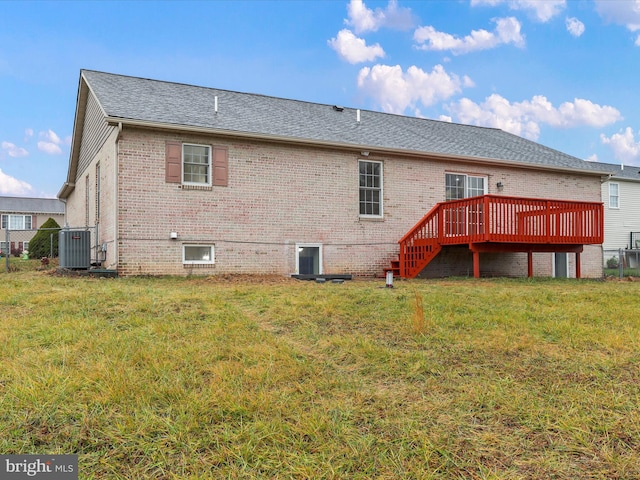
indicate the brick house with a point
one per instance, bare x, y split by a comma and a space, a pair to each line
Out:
183, 179
22, 216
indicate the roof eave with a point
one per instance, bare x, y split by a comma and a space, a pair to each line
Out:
66, 190
623, 179
358, 147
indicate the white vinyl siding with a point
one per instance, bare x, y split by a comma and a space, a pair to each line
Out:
95, 133
621, 221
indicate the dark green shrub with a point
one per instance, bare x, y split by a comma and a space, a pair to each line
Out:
612, 263
40, 244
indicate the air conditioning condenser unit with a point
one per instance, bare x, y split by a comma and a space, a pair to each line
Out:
74, 248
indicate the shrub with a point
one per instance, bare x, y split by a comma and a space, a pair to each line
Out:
612, 263
40, 244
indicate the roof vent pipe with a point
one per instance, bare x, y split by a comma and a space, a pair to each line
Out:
622, 166
358, 115
215, 103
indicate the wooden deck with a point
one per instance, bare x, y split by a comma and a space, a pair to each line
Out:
493, 223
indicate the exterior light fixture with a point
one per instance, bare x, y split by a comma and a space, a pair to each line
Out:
173, 235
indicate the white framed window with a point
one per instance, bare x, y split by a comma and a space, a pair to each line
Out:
459, 186
25, 246
370, 188
197, 254
196, 164
309, 259
614, 195
4, 248
16, 222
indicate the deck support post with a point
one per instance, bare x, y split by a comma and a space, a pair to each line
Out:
578, 272
476, 264
530, 264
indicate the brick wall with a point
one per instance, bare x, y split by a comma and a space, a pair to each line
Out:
279, 195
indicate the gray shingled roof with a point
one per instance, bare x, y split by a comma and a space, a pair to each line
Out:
139, 99
626, 172
31, 205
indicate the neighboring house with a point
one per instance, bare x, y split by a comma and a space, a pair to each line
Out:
621, 196
22, 217
183, 179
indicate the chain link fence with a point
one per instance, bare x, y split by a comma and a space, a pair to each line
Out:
622, 262
14, 245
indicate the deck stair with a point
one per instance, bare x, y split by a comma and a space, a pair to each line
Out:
494, 223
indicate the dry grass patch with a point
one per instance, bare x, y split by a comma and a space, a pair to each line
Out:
273, 378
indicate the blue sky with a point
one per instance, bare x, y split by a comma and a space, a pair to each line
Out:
562, 73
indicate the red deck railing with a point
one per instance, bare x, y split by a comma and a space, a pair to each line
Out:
499, 219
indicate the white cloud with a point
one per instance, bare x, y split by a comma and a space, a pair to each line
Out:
574, 26
592, 158
50, 148
28, 133
507, 31
12, 186
543, 10
495, 112
524, 118
51, 143
13, 150
395, 90
354, 49
624, 146
363, 19
51, 136
625, 13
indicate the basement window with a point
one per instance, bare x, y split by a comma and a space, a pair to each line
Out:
197, 254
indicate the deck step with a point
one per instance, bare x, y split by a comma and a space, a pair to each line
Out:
394, 268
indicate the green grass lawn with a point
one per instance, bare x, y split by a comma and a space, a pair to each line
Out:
627, 272
275, 378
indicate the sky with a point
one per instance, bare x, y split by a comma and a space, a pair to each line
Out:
563, 73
